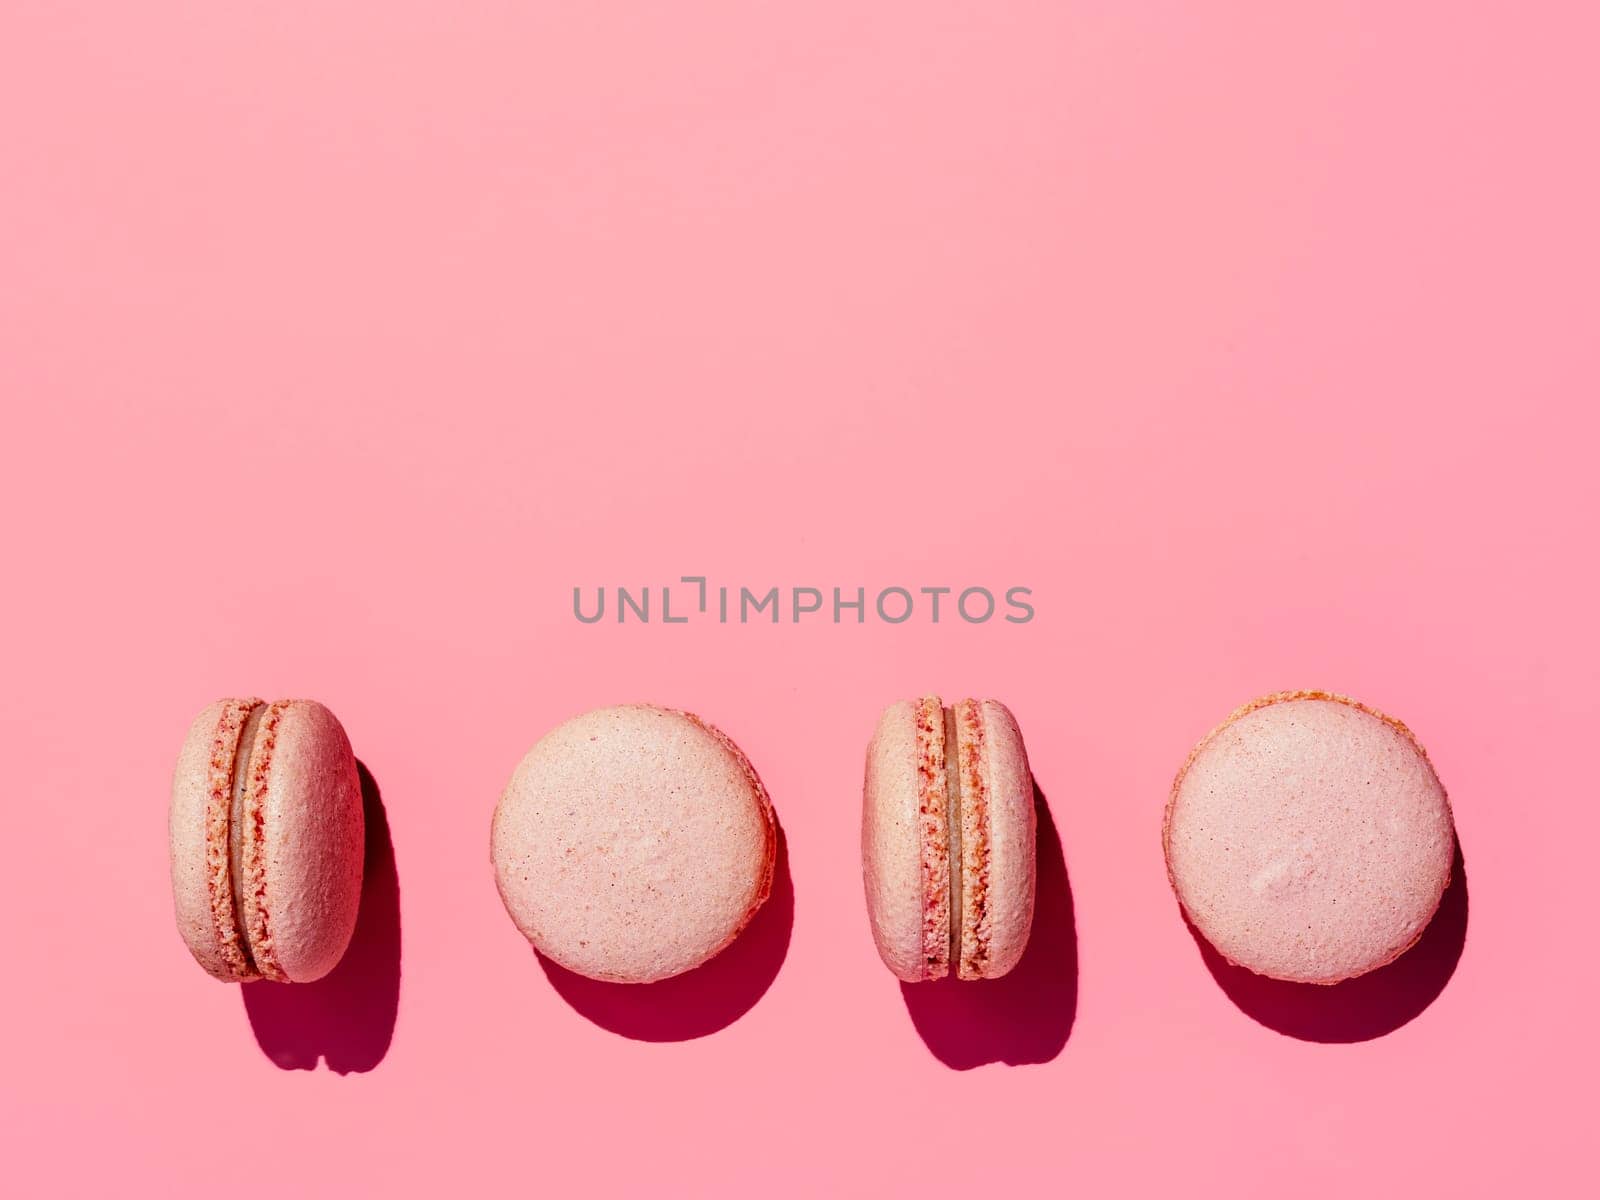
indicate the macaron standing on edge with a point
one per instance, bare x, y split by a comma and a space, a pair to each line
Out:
267, 840
1308, 838
948, 832
633, 843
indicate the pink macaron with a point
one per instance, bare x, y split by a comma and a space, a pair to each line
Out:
266, 835
947, 839
633, 843
1308, 838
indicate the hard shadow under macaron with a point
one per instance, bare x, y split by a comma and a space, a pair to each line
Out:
698, 1002
347, 1017
1357, 1010
1026, 1015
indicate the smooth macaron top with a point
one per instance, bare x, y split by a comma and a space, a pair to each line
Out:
633, 843
947, 839
1308, 838
266, 836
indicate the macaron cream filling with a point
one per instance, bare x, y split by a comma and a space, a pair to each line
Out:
225, 772
952, 775
236, 820
953, 814
939, 865
240, 761
973, 832
246, 837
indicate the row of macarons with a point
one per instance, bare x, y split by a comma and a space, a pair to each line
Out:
1307, 837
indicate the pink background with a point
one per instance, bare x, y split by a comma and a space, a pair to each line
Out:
338, 342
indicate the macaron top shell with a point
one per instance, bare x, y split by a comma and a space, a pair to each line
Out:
305, 862
1001, 929
1308, 838
633, 843
892, 851
198, 820
266, 836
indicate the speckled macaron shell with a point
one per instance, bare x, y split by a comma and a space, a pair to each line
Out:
892, 852
266, 836
1308, 838
1012, 861
304, 867
197, 830
633, 843
924, 923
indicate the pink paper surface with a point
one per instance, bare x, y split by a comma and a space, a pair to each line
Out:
339, 342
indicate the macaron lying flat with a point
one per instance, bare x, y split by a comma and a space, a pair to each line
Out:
266, 836
1308, 838
633, 843
947, 839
